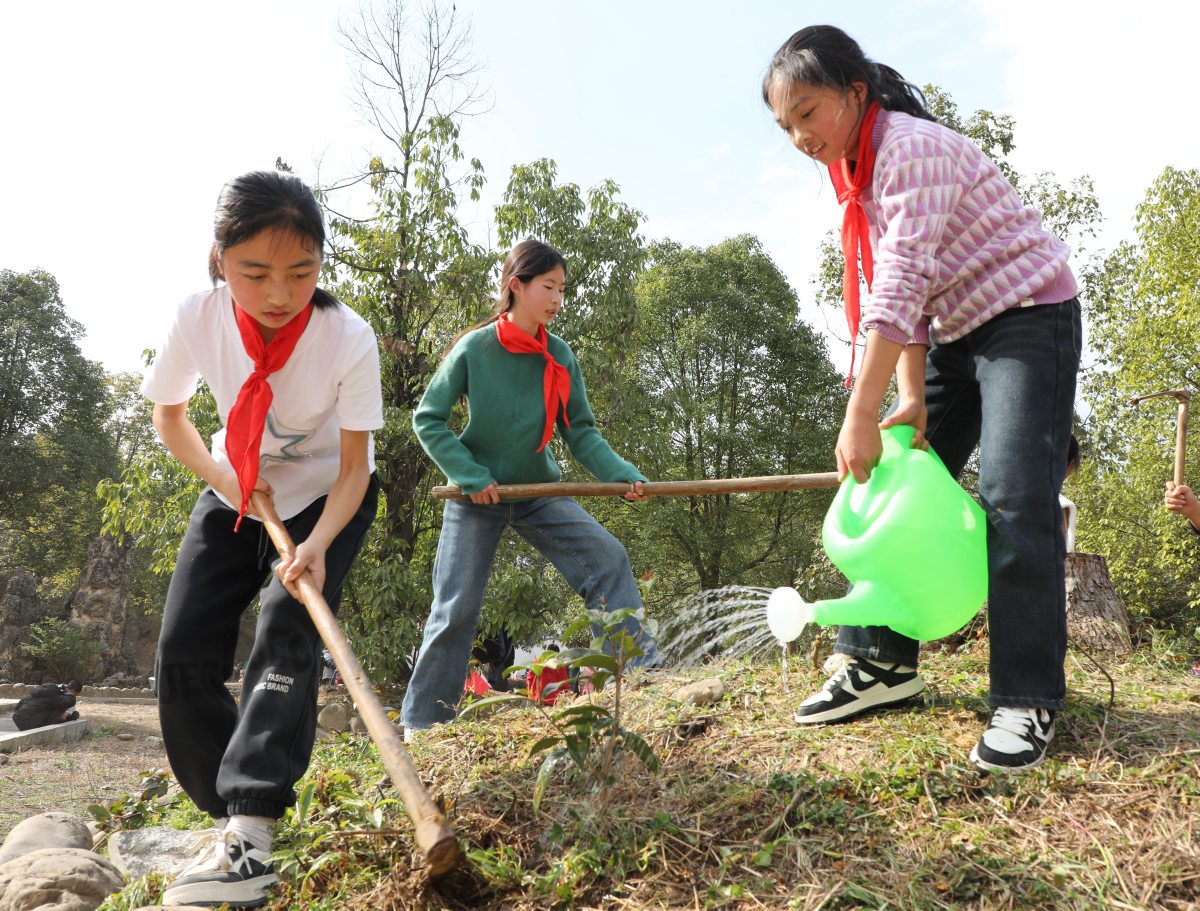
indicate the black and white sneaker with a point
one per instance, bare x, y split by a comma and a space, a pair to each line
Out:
1015, 740
231, 872
857, 686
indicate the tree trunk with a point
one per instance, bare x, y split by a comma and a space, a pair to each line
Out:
1096, 617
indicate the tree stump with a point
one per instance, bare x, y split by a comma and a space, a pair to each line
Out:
1096, 617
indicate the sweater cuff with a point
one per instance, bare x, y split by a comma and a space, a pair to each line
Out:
892, 333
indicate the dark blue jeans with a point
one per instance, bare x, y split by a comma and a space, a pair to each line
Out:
1008, 387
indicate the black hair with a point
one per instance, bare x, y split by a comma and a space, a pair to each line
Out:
825, 55
526, 261
267, 201
75, 685
1072, 453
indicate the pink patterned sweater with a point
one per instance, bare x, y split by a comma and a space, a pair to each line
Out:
953, 244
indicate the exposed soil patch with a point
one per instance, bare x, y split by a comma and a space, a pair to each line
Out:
98, 767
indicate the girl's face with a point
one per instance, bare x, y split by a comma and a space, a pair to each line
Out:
272, 276
537, 301
821, 122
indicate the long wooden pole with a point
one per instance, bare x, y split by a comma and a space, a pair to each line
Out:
434, 836
656, 488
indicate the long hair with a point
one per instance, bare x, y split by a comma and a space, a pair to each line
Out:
825, 55
526, 261
267, 201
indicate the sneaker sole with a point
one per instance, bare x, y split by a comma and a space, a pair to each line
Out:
861, 705
249, 893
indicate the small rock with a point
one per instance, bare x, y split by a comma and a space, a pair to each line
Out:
154, 741
65, 879
156, 849
335, 717
701, 692
323, 734
357, 725
46, 830
125, 737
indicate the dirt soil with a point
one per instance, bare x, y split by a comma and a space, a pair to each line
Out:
100, 766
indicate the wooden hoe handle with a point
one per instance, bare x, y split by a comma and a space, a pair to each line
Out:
655, 488
434, 836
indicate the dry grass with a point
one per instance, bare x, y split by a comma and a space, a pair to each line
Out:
750, 811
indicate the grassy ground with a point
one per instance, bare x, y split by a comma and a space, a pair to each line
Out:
750, 811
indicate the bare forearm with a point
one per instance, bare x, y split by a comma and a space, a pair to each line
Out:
344, 500
183, 441
910, 373
879, 363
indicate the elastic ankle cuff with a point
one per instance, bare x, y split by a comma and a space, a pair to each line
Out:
252, 806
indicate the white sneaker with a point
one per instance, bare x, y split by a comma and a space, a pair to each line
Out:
857, 686
230, 871
1015, 740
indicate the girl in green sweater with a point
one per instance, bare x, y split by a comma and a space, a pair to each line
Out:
520, 382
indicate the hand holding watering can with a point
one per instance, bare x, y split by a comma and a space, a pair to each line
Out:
911, 541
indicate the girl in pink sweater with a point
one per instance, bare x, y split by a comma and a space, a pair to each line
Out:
972, 307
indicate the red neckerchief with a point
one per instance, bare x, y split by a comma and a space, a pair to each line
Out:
856, 237
248, 416
556, 383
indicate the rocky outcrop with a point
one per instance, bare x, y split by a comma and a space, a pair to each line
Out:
19, 609
101, 603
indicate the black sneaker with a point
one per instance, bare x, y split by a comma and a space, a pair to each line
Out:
231, 872
1015, 740
858, 686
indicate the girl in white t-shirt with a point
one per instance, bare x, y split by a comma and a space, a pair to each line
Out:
295, 375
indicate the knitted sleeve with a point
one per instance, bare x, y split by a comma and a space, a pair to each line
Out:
431, 419
918, 184
584, 439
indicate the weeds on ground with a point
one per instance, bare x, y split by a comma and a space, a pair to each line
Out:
748, 810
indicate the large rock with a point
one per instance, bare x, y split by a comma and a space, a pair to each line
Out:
57, 879
101, 603
137, 852
19, 610
46, 830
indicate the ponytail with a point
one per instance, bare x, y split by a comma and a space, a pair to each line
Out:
827, 56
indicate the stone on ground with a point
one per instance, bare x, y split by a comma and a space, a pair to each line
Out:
160, 849
57, 879
46, 830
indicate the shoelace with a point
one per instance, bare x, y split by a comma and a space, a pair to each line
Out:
211, 852
1018, 722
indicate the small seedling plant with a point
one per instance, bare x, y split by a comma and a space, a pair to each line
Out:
588, 734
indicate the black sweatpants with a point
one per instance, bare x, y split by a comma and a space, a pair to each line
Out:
247, 758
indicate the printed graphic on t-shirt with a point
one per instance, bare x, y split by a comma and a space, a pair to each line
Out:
276, 429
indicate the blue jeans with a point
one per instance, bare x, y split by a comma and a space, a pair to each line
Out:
590, 559
1009, 387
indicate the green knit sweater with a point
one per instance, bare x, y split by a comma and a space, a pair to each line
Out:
507, 417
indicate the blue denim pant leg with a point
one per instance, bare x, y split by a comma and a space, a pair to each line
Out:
1009, 386
593, 562
470, 535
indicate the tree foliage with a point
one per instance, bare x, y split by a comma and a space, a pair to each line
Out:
1143, 309
54, 446
732, 384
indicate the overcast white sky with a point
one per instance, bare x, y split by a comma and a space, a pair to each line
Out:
123, 119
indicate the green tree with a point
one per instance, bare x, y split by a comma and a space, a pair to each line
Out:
733, 384
53, 441
1143, 310
410, 268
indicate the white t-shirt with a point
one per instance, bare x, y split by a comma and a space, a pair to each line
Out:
329, 384
1069, 512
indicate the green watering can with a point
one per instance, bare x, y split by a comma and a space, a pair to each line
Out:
911, 541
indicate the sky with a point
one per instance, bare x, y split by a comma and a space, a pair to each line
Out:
124, 119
